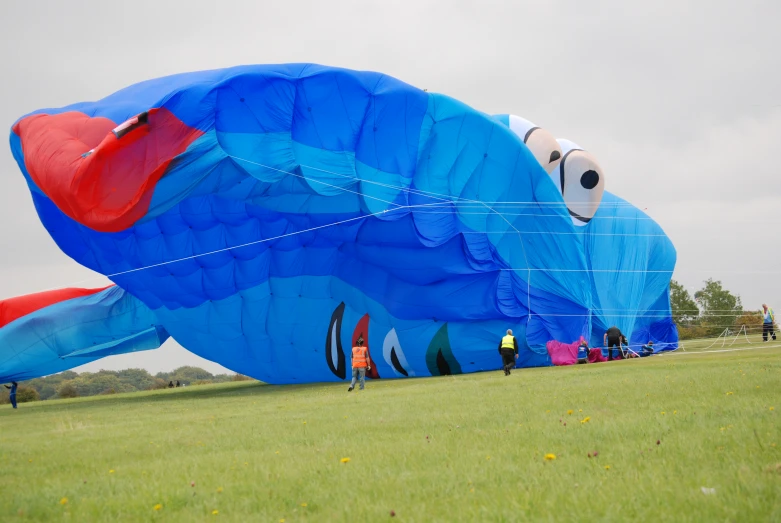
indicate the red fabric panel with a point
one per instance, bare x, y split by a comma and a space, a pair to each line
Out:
111, 188
14, 308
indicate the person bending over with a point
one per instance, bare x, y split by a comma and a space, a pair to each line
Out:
612, 339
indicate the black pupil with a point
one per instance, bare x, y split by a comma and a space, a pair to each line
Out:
589, 179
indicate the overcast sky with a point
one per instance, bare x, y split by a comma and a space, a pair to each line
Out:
679, 101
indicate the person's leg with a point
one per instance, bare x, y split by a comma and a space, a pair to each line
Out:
508, 360
765, 330
362, 375
773, 331
13, 400
355, 377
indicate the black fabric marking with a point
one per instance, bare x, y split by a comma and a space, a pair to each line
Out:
395, 362
442, 365
336, 325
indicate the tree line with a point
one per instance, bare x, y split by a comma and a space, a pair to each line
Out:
71, 384
711, 311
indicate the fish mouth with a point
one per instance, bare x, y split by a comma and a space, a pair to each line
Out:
90, 173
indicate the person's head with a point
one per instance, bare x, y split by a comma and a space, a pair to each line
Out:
650, 342
583, 343
14, 383
764, 306
359, 341
509, 332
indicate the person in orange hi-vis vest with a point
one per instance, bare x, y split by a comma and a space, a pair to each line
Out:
360, 359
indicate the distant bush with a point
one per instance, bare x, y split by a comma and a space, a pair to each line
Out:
70, 384
157, 384
68, 390
240, 377
25, 394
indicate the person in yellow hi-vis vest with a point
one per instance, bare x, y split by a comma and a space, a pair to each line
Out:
360, 359
508, 348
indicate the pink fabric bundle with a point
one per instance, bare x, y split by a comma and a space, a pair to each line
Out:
563, 353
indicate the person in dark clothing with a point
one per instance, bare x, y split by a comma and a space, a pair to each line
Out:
612, 339
647, 349
170, 384
12, 395
178, 384
768, 322
508, 348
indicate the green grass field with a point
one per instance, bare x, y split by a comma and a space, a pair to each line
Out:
463, 448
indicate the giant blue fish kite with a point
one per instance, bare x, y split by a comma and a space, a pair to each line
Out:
267, 216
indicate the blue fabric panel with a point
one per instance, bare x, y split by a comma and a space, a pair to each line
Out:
76, 331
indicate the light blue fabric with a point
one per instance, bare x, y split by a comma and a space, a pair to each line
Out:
76, 331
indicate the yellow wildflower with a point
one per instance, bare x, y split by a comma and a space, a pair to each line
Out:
488, 458
569, 411
663, 413
730, 393
219, 490
303, 504
215, 512
111, 471
305, 423
607, 467
158, 506
586, 419
345, 460
550, 457
772, 408
580, 410
64, 501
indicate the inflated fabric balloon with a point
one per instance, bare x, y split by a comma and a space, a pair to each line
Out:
269, 216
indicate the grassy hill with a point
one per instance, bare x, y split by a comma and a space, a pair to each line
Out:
462, 448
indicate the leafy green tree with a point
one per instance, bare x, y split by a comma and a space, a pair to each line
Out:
47, 391
684, 308
139, 379
67, 390
720, 308
188, 375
